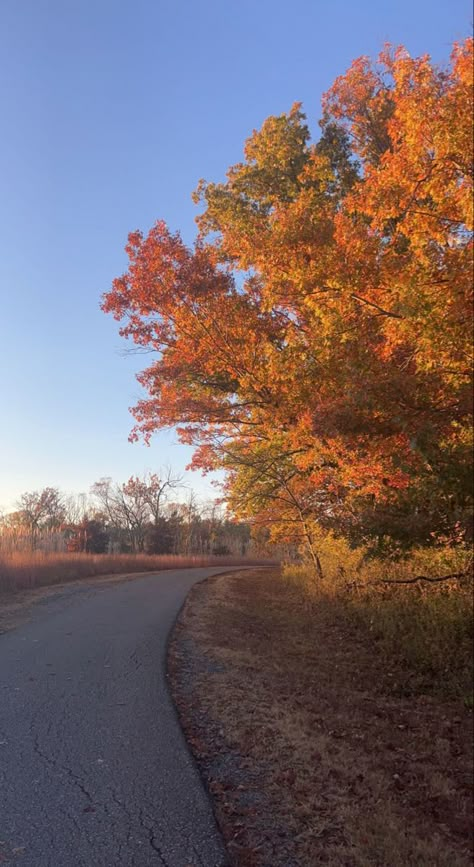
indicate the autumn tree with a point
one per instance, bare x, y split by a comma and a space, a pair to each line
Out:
316, 340
87, 536
40, 511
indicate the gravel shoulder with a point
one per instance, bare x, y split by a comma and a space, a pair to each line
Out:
310, 747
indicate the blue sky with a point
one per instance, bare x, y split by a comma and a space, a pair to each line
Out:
111, 112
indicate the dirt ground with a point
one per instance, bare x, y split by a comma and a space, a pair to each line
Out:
310, 749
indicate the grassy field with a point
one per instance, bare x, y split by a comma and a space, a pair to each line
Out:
328, 731
25, 571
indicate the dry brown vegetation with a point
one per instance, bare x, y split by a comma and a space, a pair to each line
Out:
319, 741
424, 628
27, 570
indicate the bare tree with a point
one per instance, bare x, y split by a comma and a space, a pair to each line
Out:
154, 490
76, 508
40, 511
134, 505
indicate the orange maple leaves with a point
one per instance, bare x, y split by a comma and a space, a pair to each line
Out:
315, 341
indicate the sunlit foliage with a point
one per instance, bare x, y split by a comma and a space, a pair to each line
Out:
316, 340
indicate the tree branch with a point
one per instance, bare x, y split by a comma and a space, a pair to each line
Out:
451, 577
377, 307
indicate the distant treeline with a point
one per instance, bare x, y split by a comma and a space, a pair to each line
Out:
137, 516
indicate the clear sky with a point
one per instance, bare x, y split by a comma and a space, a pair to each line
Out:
111, 112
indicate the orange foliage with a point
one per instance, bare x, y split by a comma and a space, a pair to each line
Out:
316, 340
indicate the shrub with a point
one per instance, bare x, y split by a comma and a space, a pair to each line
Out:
425, 627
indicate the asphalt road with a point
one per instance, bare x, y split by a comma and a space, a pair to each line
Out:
94, 769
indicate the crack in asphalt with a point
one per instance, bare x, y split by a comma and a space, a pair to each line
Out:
52, 762
151, 838
97, 772
198, 856
97, 804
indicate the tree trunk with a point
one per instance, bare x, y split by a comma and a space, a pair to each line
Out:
313, 553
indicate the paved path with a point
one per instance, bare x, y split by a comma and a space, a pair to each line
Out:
94, 770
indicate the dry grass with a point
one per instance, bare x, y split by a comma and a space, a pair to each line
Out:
313, 753
22, 571
426, 628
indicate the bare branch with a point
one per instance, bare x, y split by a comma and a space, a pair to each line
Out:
453, 576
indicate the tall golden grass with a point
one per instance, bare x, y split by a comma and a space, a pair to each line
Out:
26, 570
426, 627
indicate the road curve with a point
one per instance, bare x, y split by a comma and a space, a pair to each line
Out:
94, 769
